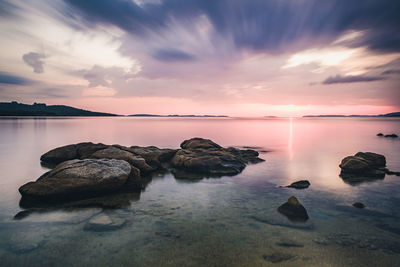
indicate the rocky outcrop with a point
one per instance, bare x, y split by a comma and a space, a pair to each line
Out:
293, 210
87, 171
302, 184
204, 157
363, 166
79, 179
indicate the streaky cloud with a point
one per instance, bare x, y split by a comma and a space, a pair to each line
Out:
6, 78
170, 55
351, 79
259, 25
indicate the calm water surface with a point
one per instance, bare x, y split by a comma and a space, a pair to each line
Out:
228, 221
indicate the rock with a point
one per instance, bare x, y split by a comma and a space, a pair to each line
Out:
293, 210
69, 152
206, 157
358, 205
391, 135
379, 134
60, 154
277, 257
103, 222
363, 166
116, 153
154, 156
79, 179
373, 159
197, 142
300, 184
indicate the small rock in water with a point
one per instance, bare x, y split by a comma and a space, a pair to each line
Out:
277, 257
302, 184
391, 135
379, 134
103, 222
293, 210
358, 205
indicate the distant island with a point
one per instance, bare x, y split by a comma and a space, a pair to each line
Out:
179, 116
40, 109
394, 114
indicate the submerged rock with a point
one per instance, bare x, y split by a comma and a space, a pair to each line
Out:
103, 222
79, 179
277, 257
24, 242
302, 184
358, 205
293, 210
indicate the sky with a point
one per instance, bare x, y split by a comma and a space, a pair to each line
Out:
224, 57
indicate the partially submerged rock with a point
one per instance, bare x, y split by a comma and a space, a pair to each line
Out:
391, 135
79, 179
293, 210
363, 166
302, 184
205, 157
358, 205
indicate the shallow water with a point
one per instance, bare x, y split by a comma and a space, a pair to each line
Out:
227, 221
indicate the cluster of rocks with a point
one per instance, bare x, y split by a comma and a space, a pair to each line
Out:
85, 170
387, 135
364, 166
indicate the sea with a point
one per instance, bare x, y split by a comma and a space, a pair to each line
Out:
225, 221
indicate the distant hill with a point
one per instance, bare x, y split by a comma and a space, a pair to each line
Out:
179, 116
39, 109
394, 114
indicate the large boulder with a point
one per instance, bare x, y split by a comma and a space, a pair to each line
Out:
363, 166
69, 152
203, 156
117, 153
79, 179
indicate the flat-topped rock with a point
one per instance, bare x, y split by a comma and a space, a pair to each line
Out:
79, 179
